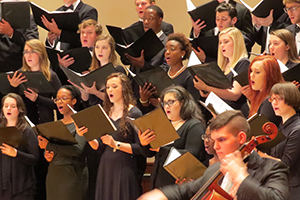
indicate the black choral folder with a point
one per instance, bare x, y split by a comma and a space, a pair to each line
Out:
256, 122
99, 75
12, 136
209, 44
17, 13
125, 36
242, 78
35, 81
96, 120
82, 58
292, 74
157, 121
211, 74
149, 42
182, 164
157, 77
262, 8
56, 132
64, 20
205, 12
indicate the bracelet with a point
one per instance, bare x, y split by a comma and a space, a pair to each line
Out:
118, 146
143, 101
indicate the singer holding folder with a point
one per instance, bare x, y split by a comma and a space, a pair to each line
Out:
17, 179
121, 166
67, 177
186, 118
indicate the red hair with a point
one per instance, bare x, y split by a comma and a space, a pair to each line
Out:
273, 76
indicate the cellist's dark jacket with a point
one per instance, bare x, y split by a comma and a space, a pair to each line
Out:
268, 180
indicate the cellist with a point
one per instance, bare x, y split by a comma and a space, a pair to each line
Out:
259, 178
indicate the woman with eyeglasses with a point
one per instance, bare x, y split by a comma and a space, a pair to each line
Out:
17, 179
209, 147
121, 165
263, 73
285, 100
39, 106
67, 177
187, 120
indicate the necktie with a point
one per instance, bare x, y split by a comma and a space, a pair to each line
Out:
65, 8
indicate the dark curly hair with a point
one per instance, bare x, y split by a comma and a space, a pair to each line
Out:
185, 44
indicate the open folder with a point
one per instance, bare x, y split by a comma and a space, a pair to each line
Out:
205, 12
64, 20
125, 36
209, 44
183, 165
256, 122
211, 74
99, 75
12, 136
157, 77
82, 58
56, 132
149, 42
17, 13
160, 124
96, 120
35, 81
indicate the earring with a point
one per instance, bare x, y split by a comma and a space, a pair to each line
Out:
182, 57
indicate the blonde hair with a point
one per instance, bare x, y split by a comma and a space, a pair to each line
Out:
37, 46
239, 47
90, 22
112, 56
290, 1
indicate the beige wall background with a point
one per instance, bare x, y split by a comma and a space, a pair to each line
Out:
122, 13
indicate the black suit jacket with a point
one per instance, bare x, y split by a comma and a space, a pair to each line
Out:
268, 179
11, 49
70, 39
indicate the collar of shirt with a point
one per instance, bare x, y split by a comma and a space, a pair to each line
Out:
159, 33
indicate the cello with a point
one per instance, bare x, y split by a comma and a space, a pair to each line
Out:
211, 190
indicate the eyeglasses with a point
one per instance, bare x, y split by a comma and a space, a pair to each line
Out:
206, 137
276, 99
169, 102
63, 99
292, 9
28, 52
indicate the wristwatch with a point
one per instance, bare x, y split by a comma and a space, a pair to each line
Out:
118, 146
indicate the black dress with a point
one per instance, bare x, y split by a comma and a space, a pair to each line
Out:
289, 153
17, 179
190, 139
67, 177
118, 174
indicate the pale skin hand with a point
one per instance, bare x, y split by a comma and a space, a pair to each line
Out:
16, 79
234, 165
200, 54
42, 142
246, 91
138, 62
30, 94
51, 26
49, 155
65, 61
146, 137
198, 26
84, 94
93, 90
8, 150
52, 37
5, 28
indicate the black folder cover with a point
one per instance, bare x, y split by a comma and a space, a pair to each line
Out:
292, 74
64, 20
17, 13
211, 74
35, 81
209, 44
12, 136
81, 55
242, 78
256, 122
160, 124
206, 12
148, 42
125, 36
99, 75
56, 132
96, 120
157, 77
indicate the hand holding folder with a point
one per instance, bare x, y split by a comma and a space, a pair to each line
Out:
158, 122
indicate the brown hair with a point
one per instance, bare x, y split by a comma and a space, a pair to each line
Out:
91, 22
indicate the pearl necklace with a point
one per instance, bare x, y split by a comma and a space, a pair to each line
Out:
180, 120
176, 74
